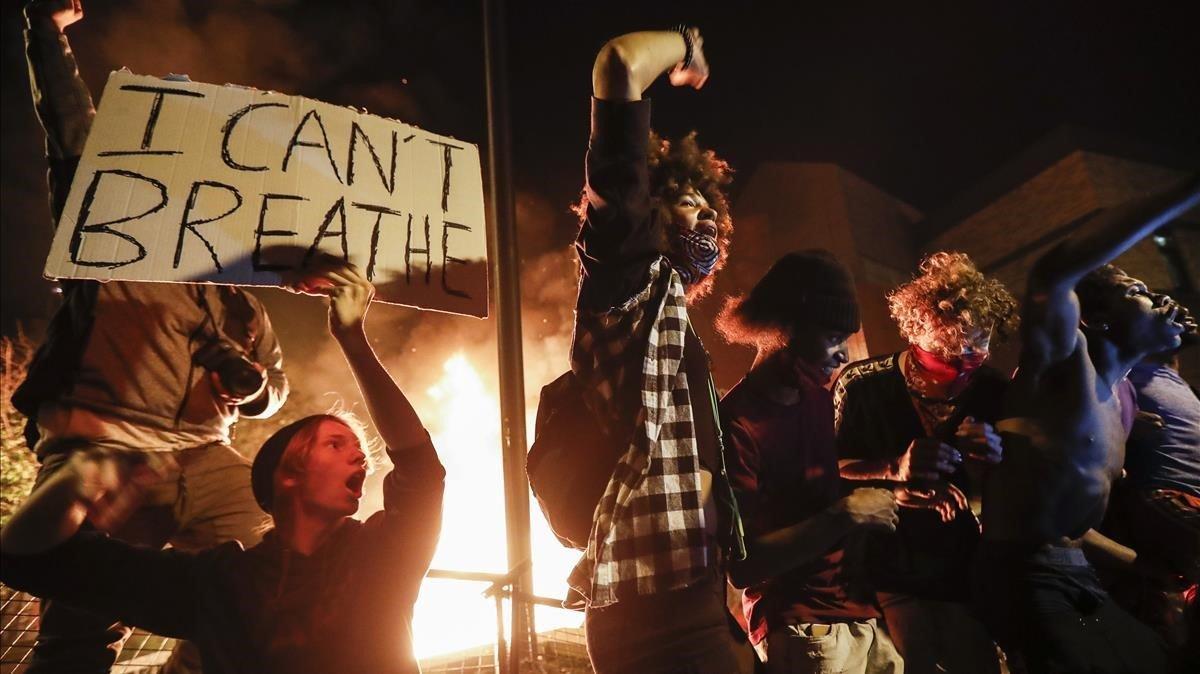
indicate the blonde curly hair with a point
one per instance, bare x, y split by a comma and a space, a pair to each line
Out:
948, 301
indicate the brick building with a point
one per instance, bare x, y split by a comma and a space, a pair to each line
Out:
1004, 223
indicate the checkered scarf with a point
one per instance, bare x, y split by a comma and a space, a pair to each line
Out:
649, 530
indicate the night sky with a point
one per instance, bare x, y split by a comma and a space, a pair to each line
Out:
921, 101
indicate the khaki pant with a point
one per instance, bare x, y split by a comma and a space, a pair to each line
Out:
838, 648
206, 500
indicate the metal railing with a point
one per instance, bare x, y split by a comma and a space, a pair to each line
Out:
561, 651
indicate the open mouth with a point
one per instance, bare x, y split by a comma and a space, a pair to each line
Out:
355, 482
1174, 316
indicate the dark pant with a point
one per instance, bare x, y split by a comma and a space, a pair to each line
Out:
679, 632
205, 502
1048, 611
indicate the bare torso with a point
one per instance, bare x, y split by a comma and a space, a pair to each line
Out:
1064, 446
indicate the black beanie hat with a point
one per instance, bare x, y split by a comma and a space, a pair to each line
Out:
808, 285
262, 472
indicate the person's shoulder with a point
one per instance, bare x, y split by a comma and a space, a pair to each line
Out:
227, 554
737, 397
864, 372
748, 403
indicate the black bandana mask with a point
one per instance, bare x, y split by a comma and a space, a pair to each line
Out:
693, 255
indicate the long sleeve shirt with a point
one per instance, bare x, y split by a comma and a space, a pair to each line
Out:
646, 376
122, 351
347, 607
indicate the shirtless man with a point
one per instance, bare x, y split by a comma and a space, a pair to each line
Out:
1084, 326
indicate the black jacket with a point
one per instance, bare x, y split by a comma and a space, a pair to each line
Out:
347, 607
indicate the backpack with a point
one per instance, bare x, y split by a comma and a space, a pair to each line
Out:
571, 460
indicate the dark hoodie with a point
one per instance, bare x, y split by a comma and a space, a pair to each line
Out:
347, 607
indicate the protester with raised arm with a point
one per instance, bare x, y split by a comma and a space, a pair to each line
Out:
1084, 325
655, 228
321, 593
138, 367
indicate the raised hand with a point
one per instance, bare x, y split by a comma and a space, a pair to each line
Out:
349, 292
696, 74
62, 12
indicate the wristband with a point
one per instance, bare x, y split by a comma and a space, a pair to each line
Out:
685, 31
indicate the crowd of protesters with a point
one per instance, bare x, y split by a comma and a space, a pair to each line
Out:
917, 511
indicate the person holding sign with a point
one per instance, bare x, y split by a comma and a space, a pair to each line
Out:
162, 368
322, 592
655, 227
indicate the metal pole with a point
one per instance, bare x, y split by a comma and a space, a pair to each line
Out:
500, 657
506, 284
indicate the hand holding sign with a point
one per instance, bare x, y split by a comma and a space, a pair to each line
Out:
190, 182
349, 293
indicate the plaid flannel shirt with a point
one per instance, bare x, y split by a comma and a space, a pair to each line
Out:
649, 531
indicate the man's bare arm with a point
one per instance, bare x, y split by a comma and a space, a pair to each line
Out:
1051, 311
627, 65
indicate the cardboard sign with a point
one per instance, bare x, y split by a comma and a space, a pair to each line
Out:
190, 182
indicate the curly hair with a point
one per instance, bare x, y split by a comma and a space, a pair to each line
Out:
675, 167
949, 300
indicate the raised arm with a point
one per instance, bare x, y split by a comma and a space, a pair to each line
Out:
619, 237
627, 65
60, 97
1051, 311
350, 296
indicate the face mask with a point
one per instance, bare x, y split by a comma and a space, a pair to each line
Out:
947, 370
693, 255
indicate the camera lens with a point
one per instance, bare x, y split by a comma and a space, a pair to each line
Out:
240, 378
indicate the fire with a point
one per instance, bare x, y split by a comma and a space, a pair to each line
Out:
462, 412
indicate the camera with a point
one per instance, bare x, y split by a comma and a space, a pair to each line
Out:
239, 376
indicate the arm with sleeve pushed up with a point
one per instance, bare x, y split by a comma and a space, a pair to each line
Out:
619, 238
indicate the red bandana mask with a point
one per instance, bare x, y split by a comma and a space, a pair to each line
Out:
946, 371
